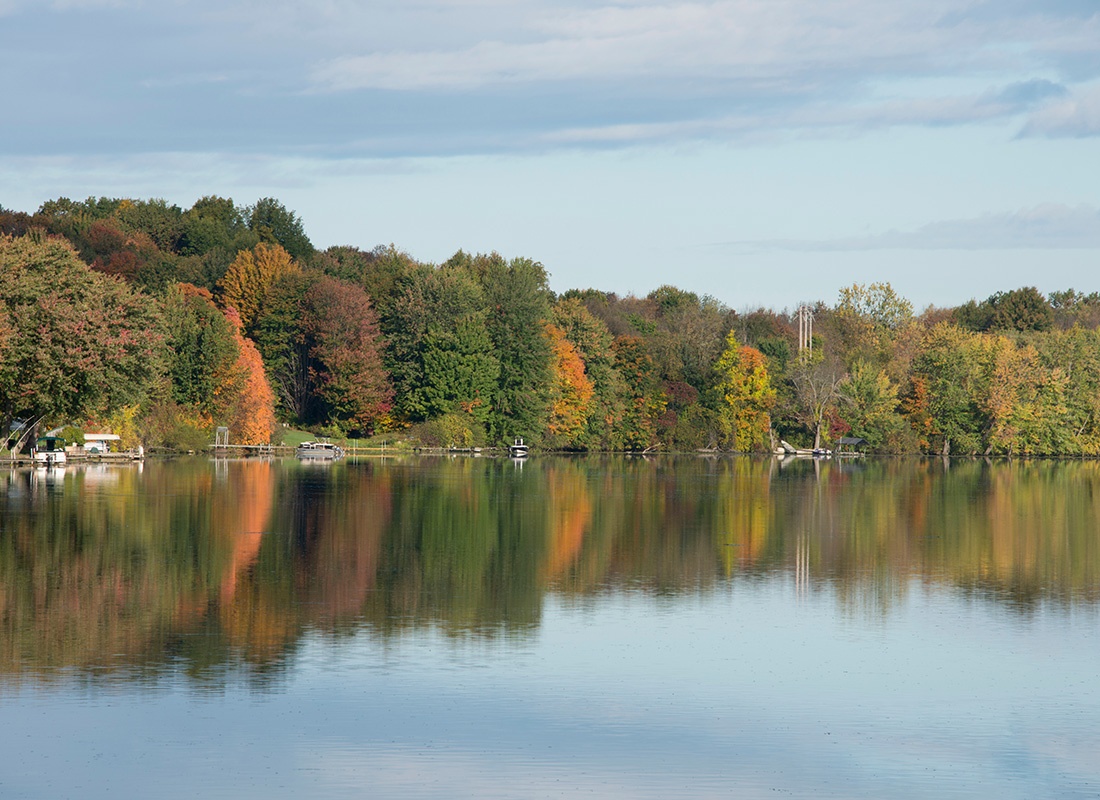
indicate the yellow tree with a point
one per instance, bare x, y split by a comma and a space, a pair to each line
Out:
247, 280
746, 396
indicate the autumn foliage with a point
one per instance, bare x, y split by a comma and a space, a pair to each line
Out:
345, 345
247, 280
249, 400
479, 349
571, 399
747, 396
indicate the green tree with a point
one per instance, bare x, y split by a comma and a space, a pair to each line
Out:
280, 334
1022, 310
945, 370
869, 404
460, 369
274, 223
644, 400
1075, 355
518, 302
438, 348
214, 223
1019, 310
201, 348
155, 218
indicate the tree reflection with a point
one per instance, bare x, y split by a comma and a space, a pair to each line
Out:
204, 569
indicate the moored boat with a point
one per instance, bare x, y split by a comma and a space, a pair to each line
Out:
518, 449
49, 450
326, 451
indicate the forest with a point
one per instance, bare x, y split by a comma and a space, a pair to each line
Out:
160, 324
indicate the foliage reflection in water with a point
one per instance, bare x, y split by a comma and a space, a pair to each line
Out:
473, 627
187, 564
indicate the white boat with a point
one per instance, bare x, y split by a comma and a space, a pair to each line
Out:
49, 450
326, 451
790, 450
518, 449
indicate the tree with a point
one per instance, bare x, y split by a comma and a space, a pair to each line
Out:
1071, 308
202, 349
866, 322
594, 345
1022, 310
280, 334
438, 349
246, 282
816, 386
519, 303
869, 404
746, 396
460, 370
644, 400
878, 303
249, 401
214, 223
155, 218
944, 374
572, 392
273, 223
346, 346
77, 342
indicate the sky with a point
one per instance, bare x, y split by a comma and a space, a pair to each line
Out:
763, 152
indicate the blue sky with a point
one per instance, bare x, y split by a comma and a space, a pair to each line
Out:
761, 151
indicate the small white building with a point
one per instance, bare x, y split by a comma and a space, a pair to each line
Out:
100, 442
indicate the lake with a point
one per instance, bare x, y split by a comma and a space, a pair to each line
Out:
605, 627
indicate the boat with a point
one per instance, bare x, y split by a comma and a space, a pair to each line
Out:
518, 449
49, 450
323, 451
787, 449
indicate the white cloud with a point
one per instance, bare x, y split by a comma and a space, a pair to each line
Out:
1049, 226
727, 40
1077, 115
68, 5
350, 78
821, 117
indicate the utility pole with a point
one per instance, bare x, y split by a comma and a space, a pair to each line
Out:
805, 332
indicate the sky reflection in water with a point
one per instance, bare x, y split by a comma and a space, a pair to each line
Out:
343, 656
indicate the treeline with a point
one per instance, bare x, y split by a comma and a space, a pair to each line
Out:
163, 323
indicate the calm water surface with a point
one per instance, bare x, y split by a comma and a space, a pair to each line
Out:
591, 627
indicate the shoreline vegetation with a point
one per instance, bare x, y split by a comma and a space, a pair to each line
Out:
162, 324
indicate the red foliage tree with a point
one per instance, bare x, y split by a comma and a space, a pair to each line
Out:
346, 346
